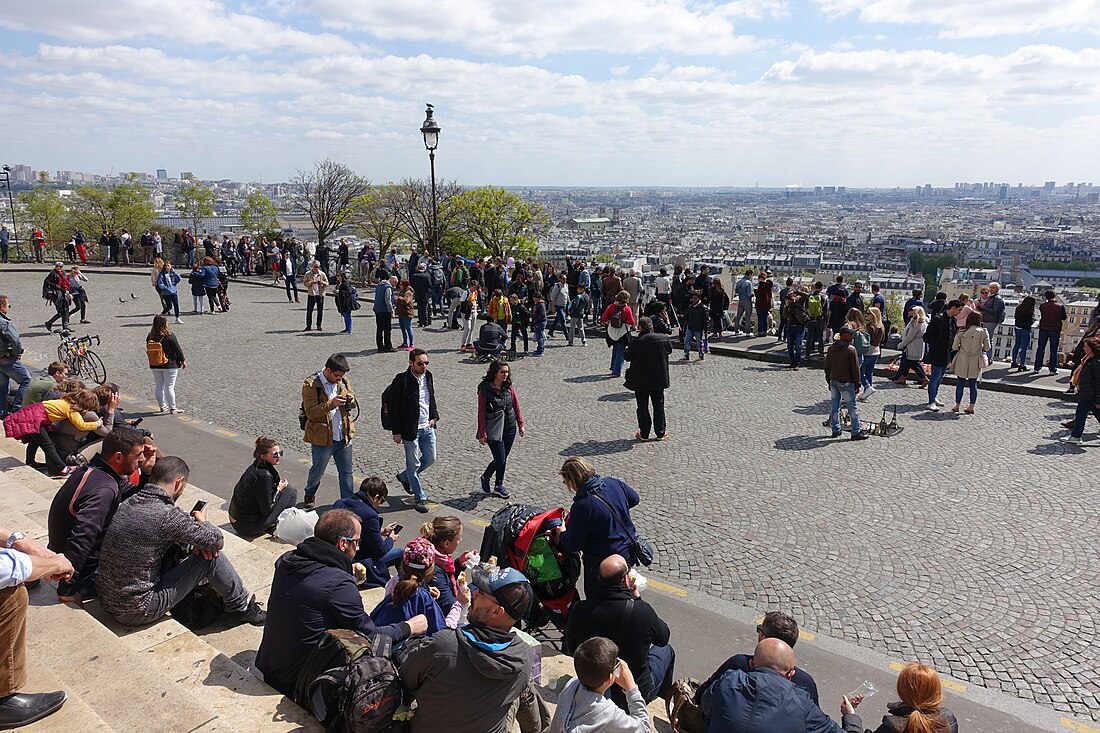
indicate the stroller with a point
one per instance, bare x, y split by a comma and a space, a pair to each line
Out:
519, 535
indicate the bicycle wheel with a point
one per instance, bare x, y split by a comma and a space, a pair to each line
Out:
91, 367
68, 356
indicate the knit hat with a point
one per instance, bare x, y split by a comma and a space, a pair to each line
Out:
419, 553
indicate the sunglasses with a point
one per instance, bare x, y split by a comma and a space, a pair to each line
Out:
421, 363
277, 453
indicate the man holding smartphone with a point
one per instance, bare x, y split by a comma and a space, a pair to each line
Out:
326, 400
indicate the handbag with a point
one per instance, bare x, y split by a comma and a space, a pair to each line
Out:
642, 549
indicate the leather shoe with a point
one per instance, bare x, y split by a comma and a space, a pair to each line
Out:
25, 708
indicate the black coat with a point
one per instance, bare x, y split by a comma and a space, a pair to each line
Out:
404, 404
254, 495
938, 336
648, 357
1088, 384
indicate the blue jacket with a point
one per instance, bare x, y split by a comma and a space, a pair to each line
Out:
383, 298
419, 602
210, 276
762, 701
373, 546
167, 282
801, 678
592, 529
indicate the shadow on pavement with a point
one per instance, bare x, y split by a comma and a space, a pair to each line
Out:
597, 447
616, 397
586, 378
803, 442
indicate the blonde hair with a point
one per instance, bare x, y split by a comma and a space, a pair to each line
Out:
920, 317
577, 470
441, 529
874, 317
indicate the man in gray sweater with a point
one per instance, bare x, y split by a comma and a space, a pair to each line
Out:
133, 585
842, 374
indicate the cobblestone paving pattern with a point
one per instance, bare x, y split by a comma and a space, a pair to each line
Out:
969, 542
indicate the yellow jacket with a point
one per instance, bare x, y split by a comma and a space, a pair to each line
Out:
58, 410
500, 310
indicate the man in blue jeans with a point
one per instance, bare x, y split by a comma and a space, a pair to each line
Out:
326, 401
1052, 315
411, 417
842, 374
12, 367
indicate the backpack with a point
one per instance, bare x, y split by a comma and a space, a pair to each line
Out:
353, 298
49, 290
578, 307
816, 306
436, 275
862, 342
388, 418
349, 684
154, 350
616, 319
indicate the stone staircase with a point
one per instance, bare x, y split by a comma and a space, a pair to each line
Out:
165, 677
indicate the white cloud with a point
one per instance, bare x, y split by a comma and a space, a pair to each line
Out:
976, 18
619, 70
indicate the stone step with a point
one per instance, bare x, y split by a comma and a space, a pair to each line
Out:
74, 715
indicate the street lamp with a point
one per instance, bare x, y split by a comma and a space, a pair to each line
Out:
11, 203
430, 131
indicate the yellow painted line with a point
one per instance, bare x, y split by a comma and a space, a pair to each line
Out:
226, 433
667, 588
304, 460
357, 479
153, 407
127, 398
949, 684
1082, 727
479, 522
32, 362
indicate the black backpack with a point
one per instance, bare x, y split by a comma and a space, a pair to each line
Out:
350, 685
389, 420
616, 318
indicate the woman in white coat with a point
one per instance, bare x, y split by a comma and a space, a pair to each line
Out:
912, 347
969, 346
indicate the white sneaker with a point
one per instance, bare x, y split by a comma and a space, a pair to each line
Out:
179, 320
869, 391
1070, 439
940, 404
933, 407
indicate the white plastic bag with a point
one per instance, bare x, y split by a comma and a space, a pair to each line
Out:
295, 525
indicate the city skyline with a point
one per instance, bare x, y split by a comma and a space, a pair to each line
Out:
857, 93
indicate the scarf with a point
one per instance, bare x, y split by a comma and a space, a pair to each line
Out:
447, 563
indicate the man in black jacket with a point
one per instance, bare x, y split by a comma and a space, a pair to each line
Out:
313, 591
616, 612
938, 338
87, 501
412, 415
648, 377
422, 289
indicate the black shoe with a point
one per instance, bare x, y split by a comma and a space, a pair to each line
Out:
405, 485
309, 502
421, 506
252, 614
825, 423
25, 708
835, 435
860, 436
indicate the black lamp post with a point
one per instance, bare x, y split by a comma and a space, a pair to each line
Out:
430, 131
11, 203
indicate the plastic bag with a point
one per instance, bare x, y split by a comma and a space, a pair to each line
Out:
295, 525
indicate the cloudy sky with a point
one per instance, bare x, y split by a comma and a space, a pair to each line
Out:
561, 92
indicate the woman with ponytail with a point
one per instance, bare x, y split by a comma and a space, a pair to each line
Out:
408, 594
445, 534
920, 709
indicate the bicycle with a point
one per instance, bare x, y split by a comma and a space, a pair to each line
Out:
82, 361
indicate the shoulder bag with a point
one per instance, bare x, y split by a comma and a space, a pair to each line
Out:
642, 549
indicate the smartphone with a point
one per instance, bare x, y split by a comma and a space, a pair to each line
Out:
136, 421
397, 529
199, 506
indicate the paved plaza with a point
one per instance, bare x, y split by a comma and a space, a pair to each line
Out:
968, 542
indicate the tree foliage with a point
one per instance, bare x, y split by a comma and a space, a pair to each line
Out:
259, 215
929, 266
412, 199
1088, 282
94, 209
43, 207
1050, 265
327, 193
377, 217
194, 202
503, 223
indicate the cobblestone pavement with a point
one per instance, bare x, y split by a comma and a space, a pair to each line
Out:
969, 542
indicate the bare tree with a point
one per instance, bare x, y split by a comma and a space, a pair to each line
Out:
327, 193
412, 201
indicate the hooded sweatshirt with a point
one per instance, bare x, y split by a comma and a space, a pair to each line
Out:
580, 710
465, 680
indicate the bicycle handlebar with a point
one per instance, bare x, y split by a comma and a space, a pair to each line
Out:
86, 339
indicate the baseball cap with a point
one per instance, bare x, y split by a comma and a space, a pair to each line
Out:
509, 587
846, 329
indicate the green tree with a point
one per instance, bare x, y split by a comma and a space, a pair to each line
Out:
980, 265
1049, 265
327, 193
259, 215
194, 202
1088, 282
131, 206
929, 265
413, 201
503, 222
43, 207
94, 209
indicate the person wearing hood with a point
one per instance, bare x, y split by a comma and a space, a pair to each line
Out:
582, 707
471, 679
376, 549
313, 591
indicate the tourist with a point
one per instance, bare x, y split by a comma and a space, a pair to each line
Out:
313, 591
796, 314
920, 706
376, 549
694, 322
198, 291
414, 415
615, 609
618, 318
876, 335
855, 298
1052, 315
966, 309
316, 282
582, 704
290, 277
743, 290
211, 281
261, 495
445, 534
993, 314
405, 306
408, 594
842, 375
499, 309
632, 284
1024, 320
81, 245
521, 317
970, 345
468, 312
918, 300
878, 300
1086, 377
538, 322
83, 507
76, 290
763, 295
599, 523
817, 306
55, 290
470, 679
579, 308
838, 298
784, 293
912, 348
5, 243
56, 373
938, 304
12, 368
165, 359
498, 421
938, 338
559, 299
490, 341
383, 314
719, 304
167, 284
1077, 357
69, 439
327, 400
648, 378
345, 300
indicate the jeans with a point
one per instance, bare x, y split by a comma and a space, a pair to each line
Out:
744, 316
284, 499
347, 321
1048, 337
107, 256
815, 337
576, 327
762, 321
1020, 347
190, 258
340, 452
13, 370
961, 384
689, 336
164, 387
500, 450
419, 455
618, 352
199, 301
315, 302
406, 325
847, 390
934, 383
559, 320
291, 285
990, 328
661, 665
171, 303
643, 398
540, 337
212, 296
1082, 414
383, 323
794, 343
182, 579
867, 369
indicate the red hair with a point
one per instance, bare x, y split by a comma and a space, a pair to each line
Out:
919, 688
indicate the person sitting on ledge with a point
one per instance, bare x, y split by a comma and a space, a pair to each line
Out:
260, 495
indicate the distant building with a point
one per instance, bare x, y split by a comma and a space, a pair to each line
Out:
22, 174
591, 224
162, 174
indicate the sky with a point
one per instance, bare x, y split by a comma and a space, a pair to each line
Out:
862, 93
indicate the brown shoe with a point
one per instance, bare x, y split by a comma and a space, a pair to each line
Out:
924, 383
900, 382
